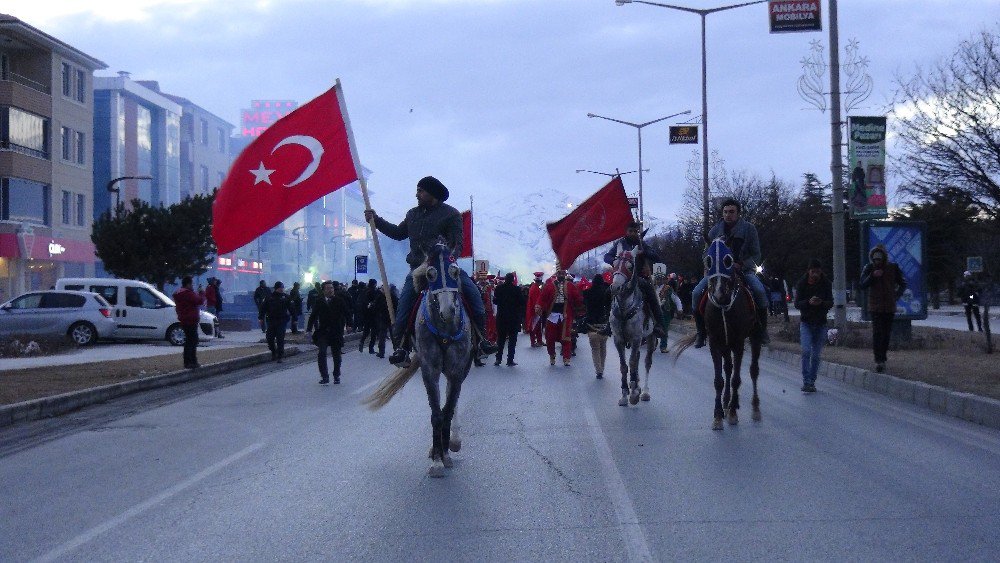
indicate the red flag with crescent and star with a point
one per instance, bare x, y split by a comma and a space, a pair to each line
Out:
300, 158
598, 220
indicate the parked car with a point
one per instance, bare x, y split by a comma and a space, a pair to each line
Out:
141, 311
83, 316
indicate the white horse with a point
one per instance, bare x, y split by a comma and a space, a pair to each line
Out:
630, 324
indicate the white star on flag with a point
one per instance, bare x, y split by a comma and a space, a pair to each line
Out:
261, 174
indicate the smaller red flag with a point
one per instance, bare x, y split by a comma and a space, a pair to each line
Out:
599, 220
466, 234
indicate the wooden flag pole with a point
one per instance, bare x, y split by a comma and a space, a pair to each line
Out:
472, 229
378, 252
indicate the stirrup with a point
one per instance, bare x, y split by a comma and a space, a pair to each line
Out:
400, 358
700, 341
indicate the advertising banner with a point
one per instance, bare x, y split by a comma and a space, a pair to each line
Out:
683, 134
906, 242
360, 264
794, 15
866, 161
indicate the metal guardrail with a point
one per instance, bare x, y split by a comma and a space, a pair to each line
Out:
25, 81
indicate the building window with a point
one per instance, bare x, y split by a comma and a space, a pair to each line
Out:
204, 132
81, 148
67, 202
24, 201
24, 132
222, 140
81, 207
66, 140
67, 79
204, 179
81, 86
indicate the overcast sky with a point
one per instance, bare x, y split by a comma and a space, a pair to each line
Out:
492, 95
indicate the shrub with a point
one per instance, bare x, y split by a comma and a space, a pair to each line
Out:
22, 345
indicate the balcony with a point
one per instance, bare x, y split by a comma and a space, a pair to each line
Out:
25, 81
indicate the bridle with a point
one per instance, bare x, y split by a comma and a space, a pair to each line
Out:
443, 278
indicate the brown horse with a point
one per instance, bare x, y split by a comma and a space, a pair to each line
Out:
729, 321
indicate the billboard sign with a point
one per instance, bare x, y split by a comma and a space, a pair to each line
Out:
788, 16
906, 244
262, 113
683, 134
866, 160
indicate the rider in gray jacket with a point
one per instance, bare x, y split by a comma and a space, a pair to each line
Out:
741, 237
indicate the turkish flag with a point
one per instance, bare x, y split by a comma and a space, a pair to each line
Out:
466, 234
300, 158
599, 220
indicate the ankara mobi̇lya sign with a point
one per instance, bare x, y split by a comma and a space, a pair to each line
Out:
788, 16
866, 161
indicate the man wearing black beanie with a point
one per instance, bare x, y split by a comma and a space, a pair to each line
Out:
423, 225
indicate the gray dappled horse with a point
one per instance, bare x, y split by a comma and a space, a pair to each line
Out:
630, 324
729, 321
442, 345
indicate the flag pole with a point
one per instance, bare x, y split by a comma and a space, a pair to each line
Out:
368, 204
472, 230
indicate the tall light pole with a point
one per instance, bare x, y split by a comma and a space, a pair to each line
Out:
334, 238
117, 191
837, 168
704, 89
638, 128
298, 251
611, 174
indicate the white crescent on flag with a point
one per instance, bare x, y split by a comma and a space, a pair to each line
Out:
312, 145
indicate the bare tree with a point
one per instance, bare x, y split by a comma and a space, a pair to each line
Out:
948, 125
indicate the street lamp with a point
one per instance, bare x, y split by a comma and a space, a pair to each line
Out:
117, 190
638, 128
334, 238
704, 89
616, 173
298, 249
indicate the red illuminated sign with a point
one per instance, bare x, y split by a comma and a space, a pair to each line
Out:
263, 113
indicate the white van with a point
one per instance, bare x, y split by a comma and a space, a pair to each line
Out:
141, 311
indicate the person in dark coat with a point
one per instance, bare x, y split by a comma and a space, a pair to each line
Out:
885, 284
509, 302
969, 290
259, 296
187, 301
275, 312
366, 303
313, 295
597, 299
814, 298
381, 319
328, 317
295, 296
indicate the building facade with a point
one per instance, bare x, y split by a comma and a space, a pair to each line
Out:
46, 162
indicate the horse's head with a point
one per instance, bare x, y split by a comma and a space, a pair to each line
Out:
444, 281
719, 271
623, 268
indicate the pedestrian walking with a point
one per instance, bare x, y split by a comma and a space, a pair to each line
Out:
533, 323
259, 296
381, 319
814, 299
314, 293
295, 296
509, 301
366, 302
326, 322
275, 312
597, 299
559, 303
670, 305
187, 303
969, 291
885, 284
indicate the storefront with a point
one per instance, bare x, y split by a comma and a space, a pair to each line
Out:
31, 259
238, 275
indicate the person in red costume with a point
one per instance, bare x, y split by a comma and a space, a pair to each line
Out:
559, 301
533, 322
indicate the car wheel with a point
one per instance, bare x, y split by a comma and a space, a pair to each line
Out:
175, 335
83, 334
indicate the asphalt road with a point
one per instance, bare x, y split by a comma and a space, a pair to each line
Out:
279, 467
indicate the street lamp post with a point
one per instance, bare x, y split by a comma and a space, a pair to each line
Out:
298, 249
334, 238
117, 190
704, 89
638, 128
611, 174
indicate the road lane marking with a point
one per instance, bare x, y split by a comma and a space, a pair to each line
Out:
145, 505
366, 387
634, 537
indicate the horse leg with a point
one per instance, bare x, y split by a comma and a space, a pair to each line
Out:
727, 366
624, 369
448, 415
754, 372
719, 384
437, 449
650, 347
633, 363
734, 403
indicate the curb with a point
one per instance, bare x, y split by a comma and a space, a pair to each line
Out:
981, 410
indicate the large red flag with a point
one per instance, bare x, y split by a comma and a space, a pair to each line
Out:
599, 220
466, 234
302, 157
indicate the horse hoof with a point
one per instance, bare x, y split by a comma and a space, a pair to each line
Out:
756, 416
623, 402
455, 444
447, 461
733, 420
644, 396
633, 398
436, 470
717, 424
430, 453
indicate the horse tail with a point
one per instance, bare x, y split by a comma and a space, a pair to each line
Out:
683, 344
391, 385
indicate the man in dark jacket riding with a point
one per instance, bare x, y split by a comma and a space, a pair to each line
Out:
644, 257
430, 219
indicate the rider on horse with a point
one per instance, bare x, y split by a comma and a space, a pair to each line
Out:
430, 219
645, 257
741, 238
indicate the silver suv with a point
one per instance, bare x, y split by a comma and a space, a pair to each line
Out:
83, 316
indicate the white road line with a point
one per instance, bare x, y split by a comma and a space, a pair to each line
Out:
145, 505
366, 387
635, 539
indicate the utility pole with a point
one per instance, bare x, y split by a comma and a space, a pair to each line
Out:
837, 169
